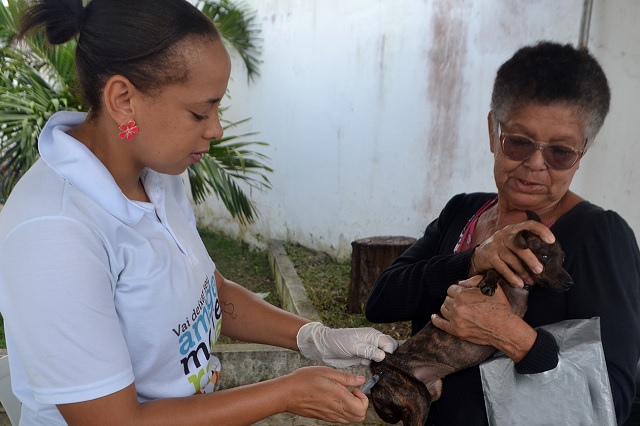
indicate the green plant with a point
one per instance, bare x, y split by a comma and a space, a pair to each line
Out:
327, 284
242, 264
236, 23
230, 161
37, 80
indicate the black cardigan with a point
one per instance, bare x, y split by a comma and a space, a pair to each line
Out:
603, 258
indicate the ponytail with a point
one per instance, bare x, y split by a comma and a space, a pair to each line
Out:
62, 19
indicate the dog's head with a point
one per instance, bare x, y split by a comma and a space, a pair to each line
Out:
554, 276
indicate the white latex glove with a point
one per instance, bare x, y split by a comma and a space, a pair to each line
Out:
343, 347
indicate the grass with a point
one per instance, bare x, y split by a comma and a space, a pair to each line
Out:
240, 263
327, 284
326, 281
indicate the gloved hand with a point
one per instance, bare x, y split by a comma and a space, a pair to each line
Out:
343, 347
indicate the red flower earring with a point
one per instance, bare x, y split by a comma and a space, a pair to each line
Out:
127, 130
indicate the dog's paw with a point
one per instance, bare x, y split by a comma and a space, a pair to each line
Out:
489, 283
487, 290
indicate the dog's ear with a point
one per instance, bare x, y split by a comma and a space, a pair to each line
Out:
521, 239
531, 215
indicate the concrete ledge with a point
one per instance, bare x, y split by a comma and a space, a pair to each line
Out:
243, 364
292, 293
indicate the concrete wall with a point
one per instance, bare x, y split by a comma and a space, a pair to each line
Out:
375, 110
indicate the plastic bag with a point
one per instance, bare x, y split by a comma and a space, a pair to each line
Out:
576, 392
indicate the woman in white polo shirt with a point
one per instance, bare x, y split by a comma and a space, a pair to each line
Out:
110, 301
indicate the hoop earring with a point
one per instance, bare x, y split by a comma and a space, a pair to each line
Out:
128, 130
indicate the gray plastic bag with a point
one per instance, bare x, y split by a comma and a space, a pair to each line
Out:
576, 392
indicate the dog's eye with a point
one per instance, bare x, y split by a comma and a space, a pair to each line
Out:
544, 258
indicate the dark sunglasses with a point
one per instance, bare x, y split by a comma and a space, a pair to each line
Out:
556, 156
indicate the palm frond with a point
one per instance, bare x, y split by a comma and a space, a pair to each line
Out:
26, 103
8, 21
54, 63
237, 27
230, 162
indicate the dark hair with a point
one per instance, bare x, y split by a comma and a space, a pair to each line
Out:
547, 73
134, 38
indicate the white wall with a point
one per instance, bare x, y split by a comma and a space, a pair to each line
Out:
375, 110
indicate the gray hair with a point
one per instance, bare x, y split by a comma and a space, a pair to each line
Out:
549, 73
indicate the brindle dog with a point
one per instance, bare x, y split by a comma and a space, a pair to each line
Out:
402, 393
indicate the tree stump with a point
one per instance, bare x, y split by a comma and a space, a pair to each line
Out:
369, 257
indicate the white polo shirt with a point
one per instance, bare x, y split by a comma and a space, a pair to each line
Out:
98, 291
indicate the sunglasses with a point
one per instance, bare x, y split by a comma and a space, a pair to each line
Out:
556, 156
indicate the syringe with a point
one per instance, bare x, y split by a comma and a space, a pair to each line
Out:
370, 383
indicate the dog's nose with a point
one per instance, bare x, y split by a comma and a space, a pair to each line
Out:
567, 283
561, 283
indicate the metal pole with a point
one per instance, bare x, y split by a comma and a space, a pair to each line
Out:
585, 23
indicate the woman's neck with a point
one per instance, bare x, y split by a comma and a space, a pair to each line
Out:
114, 156
502, 214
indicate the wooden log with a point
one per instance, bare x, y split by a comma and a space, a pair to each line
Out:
369, 257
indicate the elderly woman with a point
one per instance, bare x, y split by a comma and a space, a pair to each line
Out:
549, 101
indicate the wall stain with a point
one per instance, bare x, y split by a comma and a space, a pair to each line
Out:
446, 59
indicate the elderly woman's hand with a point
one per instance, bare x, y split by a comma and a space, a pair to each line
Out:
501, 253
484, 320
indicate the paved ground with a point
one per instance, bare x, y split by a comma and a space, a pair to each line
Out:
278, 420
372, 419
